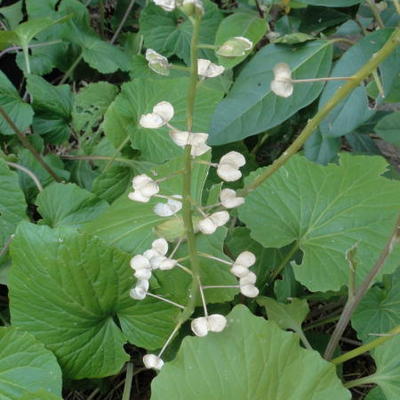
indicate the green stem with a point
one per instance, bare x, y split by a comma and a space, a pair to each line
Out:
303, 338
71, 69
322, 322
284, 262
207, 46
128, 382
25, 50
123, 20
28, 172
358, 382
397, 5
131, 163
187, 178
27, 144
366, 347
376, 13
339, 95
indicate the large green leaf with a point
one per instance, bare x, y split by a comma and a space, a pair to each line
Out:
20, 112
12, 203
129, 225
354, 110
387, 375
326, 210
251, 359
170, 32
69, 290
26, 366
332, 3
53, 107
251, 107
68, 205
388, 128
245, 24
379, 310
138, 97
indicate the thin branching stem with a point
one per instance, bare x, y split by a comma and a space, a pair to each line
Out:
27, 171
123, 20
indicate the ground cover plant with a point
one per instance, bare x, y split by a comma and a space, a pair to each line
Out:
199, 199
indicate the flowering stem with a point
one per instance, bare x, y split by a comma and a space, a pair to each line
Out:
187, 178
171, 336
28, 172
123, 20
366, 347
203, 299
358, 382
313, 123
183, 268
128, 382
205, 255
330, 78
165, 300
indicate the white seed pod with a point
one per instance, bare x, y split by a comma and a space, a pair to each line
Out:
139, 292
144, 188
249, 279
199, 326
156, 62
143, 274
229, 198
249, 291
167, 264
169, 208
207, 69
216, 322
228, 166
156, 261
162, 113
220, 218
151, 361
246, 258
235, 47
207, 226
139, 262
149, 254
239, 270
160, 246
167, 5
282, 84
198, 143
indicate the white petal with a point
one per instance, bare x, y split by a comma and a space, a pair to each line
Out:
229, 199
139, 262
220, 218
282, 88
138, 196
153, 56
149, 254
199, 150
228, 173
249, 279
167, 5
196, 139
167, 264
200, 326
216, 322
163, 210
233, 158
156, 261
180, 138
282, 71
139, 292
143, 274
141, 180
239, 270
152, 361
208, 69
165, 110
151, 121
202, 66
249, 291
150, 189
246, 258
160, 246
207, 226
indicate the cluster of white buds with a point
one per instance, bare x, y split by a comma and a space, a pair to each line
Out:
235, 47
211, 323
144, 264
247, 279
144, 188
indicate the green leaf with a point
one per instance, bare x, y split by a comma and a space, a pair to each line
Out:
326, 210
62, 204
245, 24
354, 110
26, 366
321, 149
40, 395
76, 291
12, 203
246, 110
294, 38
53, 107
20, 112
388, 128
13, 14
170, 33
387, 373
332, 3
138, 97
379, 310
375, 394
250, 359
287, 316
129, 225
90, 105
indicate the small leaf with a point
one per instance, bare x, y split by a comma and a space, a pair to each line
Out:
246, 110
68, 205
294, 38
26, 366
245, 24
20, 112
321, 149
250, 359
388, 128
326, 210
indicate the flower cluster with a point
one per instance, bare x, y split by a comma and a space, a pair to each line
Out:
247, 279
211, 323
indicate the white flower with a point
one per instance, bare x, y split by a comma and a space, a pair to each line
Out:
160, 246
167, 5
142, 267
196, 140
207, 69
157, 62
144, 188
213, 323
152, 361
229, 199
169, 208
209, 224
240, 267
162, 113
235, 47
249, 279
228, 166
156, 255
139, 292
167, 264
282, 84
249, 291
199, 326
